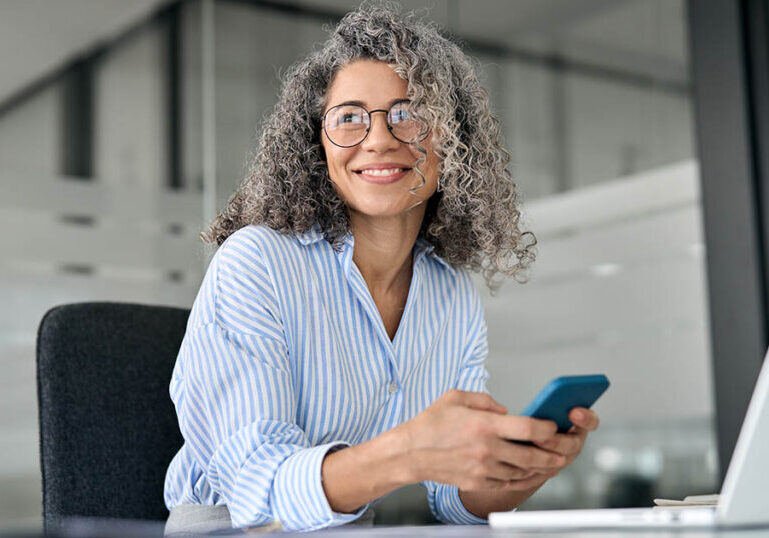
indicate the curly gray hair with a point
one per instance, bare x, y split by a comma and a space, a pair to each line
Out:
472, 220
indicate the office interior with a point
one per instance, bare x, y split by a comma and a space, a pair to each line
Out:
638, 136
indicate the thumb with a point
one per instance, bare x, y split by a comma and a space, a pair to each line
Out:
482, 402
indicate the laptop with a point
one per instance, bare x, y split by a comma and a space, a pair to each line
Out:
743, 502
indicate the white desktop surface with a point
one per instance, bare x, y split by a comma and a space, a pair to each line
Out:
103, 528
483, 531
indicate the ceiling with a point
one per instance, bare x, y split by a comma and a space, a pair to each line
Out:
38, 36
645, 37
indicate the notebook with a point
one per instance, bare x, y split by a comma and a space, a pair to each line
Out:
742, 502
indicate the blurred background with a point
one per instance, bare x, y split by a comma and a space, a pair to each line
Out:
126, 125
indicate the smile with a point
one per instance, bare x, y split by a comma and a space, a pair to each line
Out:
382, 172
382, 176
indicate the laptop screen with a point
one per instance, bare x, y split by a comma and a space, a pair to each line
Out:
743, 496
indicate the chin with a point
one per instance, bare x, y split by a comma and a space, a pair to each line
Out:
381, 208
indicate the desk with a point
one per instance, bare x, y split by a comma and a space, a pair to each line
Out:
477, 531
89, 528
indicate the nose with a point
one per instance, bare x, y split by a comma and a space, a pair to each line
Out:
379, 137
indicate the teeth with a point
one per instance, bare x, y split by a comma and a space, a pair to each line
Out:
387, 172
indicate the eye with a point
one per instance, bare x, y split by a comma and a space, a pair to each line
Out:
350, 117
399, 113
346, 117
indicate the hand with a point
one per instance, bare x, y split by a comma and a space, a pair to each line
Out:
570, 444
463, 439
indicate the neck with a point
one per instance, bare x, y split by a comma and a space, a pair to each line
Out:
383, 247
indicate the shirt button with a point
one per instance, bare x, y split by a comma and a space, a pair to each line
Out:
393, 387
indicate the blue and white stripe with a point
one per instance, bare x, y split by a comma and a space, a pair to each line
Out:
286, 357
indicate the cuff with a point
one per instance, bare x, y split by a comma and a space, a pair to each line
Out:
299, 499
449, 507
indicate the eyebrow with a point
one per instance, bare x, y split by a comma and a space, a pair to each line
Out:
362, 104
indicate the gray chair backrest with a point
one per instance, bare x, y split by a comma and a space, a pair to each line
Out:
108, 429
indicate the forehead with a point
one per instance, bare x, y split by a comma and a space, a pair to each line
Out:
372, 82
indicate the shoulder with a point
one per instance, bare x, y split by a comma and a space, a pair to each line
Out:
263, 258
256, 239
256, 248
243, 274
248, 274
259, 253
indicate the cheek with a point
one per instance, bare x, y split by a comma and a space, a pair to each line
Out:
336, 160
431, 166
427, 144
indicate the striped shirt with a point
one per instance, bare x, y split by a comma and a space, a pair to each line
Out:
286, 357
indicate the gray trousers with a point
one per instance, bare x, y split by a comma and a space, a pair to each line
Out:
203, 518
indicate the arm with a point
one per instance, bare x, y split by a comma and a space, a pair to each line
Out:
459, 440
481, 503
362, 473
439, 445
236, 404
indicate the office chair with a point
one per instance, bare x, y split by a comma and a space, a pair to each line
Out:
108, 429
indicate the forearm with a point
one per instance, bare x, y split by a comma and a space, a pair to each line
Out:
362, 473
482, 502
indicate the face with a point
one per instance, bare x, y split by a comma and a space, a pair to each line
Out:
374, 177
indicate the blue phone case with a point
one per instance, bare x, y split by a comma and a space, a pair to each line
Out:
563, 394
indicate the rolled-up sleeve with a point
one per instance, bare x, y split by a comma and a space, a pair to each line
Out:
443, 499
236, 405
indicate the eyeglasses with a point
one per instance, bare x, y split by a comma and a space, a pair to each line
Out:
348, 125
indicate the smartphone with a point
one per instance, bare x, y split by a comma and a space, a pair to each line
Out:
563, 394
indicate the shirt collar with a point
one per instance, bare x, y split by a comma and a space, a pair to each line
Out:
422, 247
313, 235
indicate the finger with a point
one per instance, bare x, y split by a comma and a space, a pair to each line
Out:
480, 401
566, 444
519, 428
527, 483
530, 458
584, 418
490, 483
504, 471
579, 431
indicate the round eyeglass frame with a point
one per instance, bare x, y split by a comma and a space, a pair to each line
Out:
368, 128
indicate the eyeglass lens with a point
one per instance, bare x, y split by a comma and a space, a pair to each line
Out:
348, 125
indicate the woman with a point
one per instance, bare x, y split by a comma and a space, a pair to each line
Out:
335, 351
